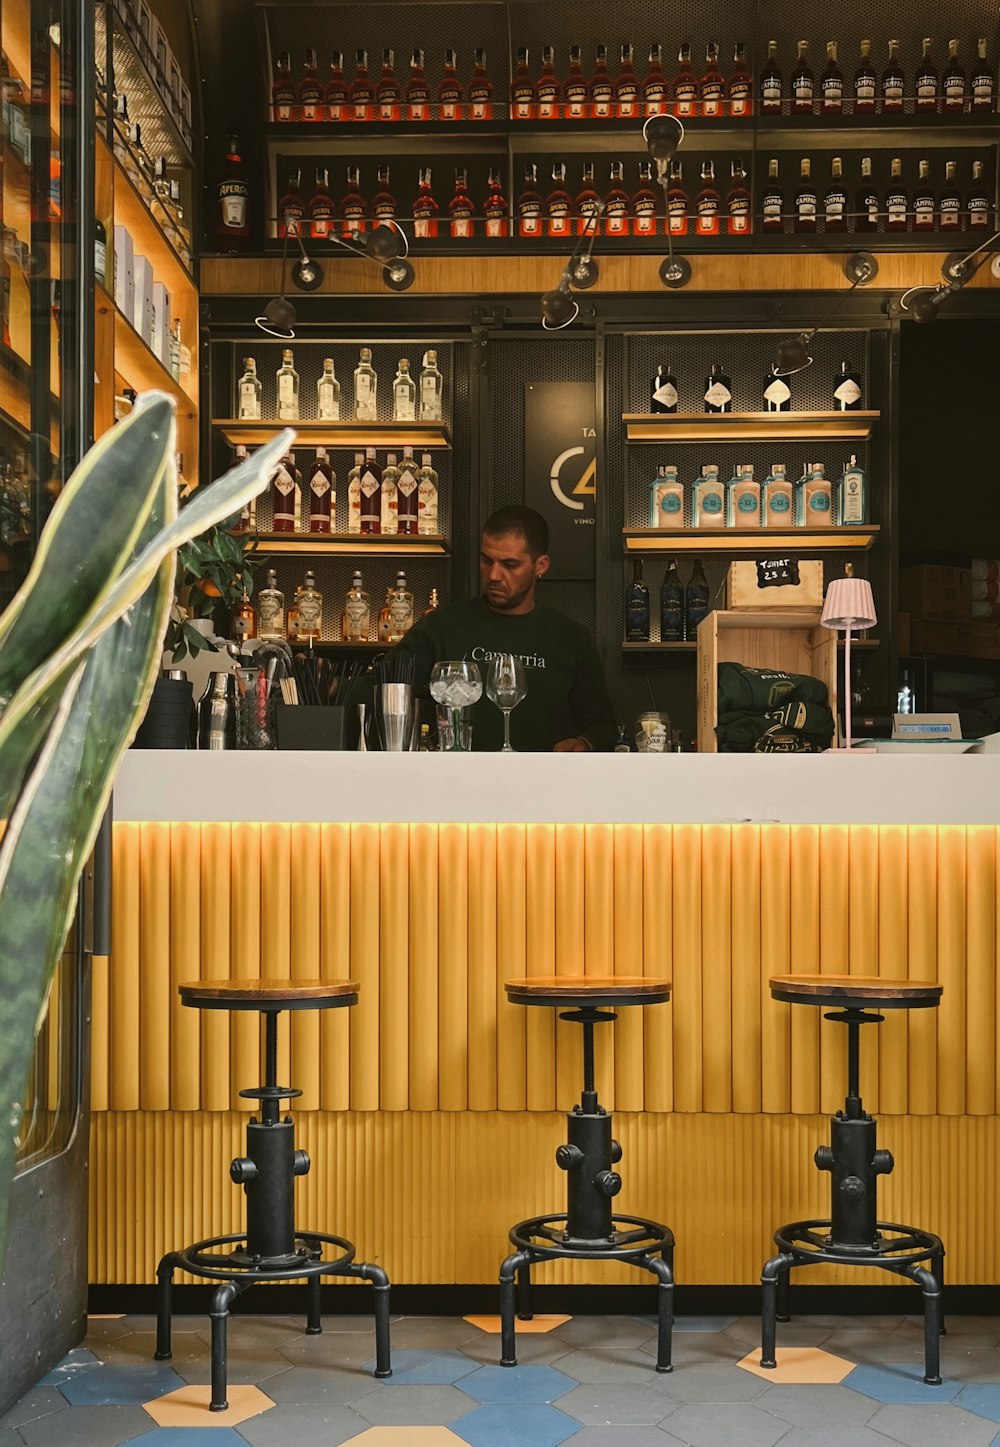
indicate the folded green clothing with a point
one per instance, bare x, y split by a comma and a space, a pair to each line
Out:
795, 727
775, 740
745, 690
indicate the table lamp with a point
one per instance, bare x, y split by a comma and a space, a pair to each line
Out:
848, 604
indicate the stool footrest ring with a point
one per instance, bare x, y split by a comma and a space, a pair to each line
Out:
547, 1239
237, 1266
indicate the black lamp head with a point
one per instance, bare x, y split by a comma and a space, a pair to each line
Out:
558, 307
792, 355
278, 319
584, 272
663, 135
925, 305
675, 271
307, 274
398, 275
385, 243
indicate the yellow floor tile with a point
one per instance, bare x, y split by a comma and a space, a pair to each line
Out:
406, 1437
799, 1364
491, 1324
188, 1407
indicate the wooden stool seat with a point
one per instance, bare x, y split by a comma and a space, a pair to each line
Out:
587, 991
857, 992
268, 995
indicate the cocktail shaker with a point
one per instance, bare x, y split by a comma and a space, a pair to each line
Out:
217, 713
394, 715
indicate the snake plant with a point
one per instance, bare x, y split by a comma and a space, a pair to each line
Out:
80, 647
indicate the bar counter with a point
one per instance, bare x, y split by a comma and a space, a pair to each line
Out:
432, 1109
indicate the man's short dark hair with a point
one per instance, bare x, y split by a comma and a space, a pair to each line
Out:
524, 523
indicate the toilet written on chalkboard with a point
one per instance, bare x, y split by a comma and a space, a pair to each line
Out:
775, 582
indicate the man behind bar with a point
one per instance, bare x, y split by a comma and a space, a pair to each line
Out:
567, 708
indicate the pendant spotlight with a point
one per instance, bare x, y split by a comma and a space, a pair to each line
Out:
663, 136
792, 354
278, 317
389, 248
581, 271
957, 270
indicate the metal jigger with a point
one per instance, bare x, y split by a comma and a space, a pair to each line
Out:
395, 716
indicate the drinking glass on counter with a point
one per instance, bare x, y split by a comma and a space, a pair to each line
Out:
653, 736
456, 684
506, 686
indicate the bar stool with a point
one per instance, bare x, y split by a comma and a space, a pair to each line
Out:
588, 1231
270, 1249
853, 1236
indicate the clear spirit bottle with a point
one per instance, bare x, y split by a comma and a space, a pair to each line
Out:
251, 390
322, 496
288, 388
328, 394
309, 603
404, 394
400, 608
356, 621
390, 495
408, 496
270, 609
852, 496
666, 499
371, 495
365, 388
354, 494
428, 497
431, 383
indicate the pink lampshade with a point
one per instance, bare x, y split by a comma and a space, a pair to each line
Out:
849, 604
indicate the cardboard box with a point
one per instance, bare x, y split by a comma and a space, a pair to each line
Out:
124, 276
936, 592
142, 312
145, 24
743, 594
956, 640
161, 322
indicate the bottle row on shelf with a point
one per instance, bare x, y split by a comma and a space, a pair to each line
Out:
665, 393
16, 493
412, 401
150, 40
143, 298
302, 621
743, 503
398, 498
683, 605
150, 177
547, 95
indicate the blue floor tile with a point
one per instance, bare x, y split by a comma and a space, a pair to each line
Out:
983, 1398
120, 1386
497, 1426
191, 1437
900, 1382
517, 1384
80, 1359
412, 1367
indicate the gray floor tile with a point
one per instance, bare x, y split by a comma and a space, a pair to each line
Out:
975, 1364
10, 1438
608, 1364
817, 1405
344, 1321
987, 1327
319, 1386
106, 1329
414, 1406
543, 1349
289, 1427
711, 1384
605, 1331
870, 1348
709, 1424
604, 1405
332, 1349
698, 1348
833, 1437
138, 1349
241, 1371
181, 1322
926, 1426
86, 1427
39, 1402
835, 1322
801, 1331
623, 1437
433, 1331
262, 1332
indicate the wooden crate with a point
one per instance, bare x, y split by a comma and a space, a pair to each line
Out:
791, 641
743, 594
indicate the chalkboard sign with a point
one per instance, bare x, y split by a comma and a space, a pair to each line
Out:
776, 572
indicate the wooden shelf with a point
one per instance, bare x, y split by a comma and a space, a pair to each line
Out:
139, 364
692, 647
132, 211
426, 435
750, 426
760, 540
352, 544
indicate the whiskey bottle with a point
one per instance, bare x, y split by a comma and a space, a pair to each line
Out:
365, 388
418, 96
777, 393
433, 603
480, 89
666, 499
522, 89
739, 221
654, 87
983, 80
321, 216
362, 90
831, 83
356, 621
529, 204
706, 203
336, 95
309, 602
460, 207
547, 88
270, 610
805, 198
773, 201
896, 211
353, 207
776, 506
927, 82
663, 390
626, 87
287, 379
390, 496
866, 200
384, 620
400, 608
637, 607
924, 207
408, 496
495, 211
771, 82
847, 389
953, 80
677, 201
283, 91
835, 199
950, 200
327, 394
893, 81
852, 496
431, 387
425, 208
685, 85
322, 497
310, 91
708, 500
404, 394
743, 499
696, 601
290, 207
449, 95
575, 93
802, 82
601, 89
251, 390
711, 90
559, 206
387, 89
587, 203
617, 220
978, 206
718, 391
371, 495
354, 494
644, 203
244, 620
242, 524
740, 88
233, 225
284, 503
865, 82
671, 605
428, 490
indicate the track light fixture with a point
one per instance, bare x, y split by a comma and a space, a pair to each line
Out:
792, 354
389, 248
278, 317
663, 136
581, 271
922, 303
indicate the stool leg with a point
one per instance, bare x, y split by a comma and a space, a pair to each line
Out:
664, 1311
769, 1277
781, 1297
314, 1314
938, 1268
222, 1300
164, 1298
508, 1271
524, 1310
932, 1323
380, 1307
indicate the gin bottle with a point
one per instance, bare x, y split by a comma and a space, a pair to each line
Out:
708, 503
663, 392
356, 621
270, 610
408, 496
847, 389
852, 495
777, 498
250, 392
365, 388
371, 494
666, 499
309, 603
328, 394
430, 388
777, 393
718, 391
288, 388
400, 609
404, 394
637, 607
696, 600
671, 605
428, 495
322, 498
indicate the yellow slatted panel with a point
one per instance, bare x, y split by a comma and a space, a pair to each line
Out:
423, 976
245, 956
658, 959
716, 955
746, 963
923, 965
123, 1035
625, 870
953, 1014
216, 962
394, 967
364, 1016
834, 956
893, 959
804, 876
862, 942
304, 965
571, 960
512, 964
980, 970
686, 874
540, 918
777, 882
100, 1045
185, 964
482, 967
336, 962
453, 967
276, 866
599, 942
154, 967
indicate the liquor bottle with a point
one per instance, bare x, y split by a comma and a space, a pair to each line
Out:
847, 389
805, 198
390, 496
953, 80
460, 207
777, 498
622, 745
677, 201
425, 208
978, 206
365, 388
321, 214
418, 95
433, 603
288, 388
428, 490
371, 495
575, 92
480, 88
706, 203
617, 220
244, 620
983, 80
893, 81
708, 500
773, 201
831, 83
711, 89
644, 203
835, 199
529, 204
588, 203
547, 88
663, 390
666, 499
559, 205
637, 607
654, 87
242, 524
771, 82
866, 200
310, 91
251, 390
353, 207
387, 89
495, 210
290, 207
356, 621
384, 202
100, 252
404, 394
270, 610
865, 82
336, 94
362, 90
431, 388
718, 391
685, 85
284, 502
283, 91
671, 605
328, 394
626, 87
802, 82
896, 214
233, 194
522, 89
739, 221
309, 602
927, 82
354, 494
777, 393
601, 89
740, 88
696, 601
950, 200
924, 207
450, 97
322, 497
815, 499
852, 496
400, 608
743, 499
408, 496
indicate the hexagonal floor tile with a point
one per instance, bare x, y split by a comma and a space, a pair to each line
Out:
710, 1383
517, 1384
535, 1351
927, 1426
407, 1437
608, 1406
303, 1426
706, 1424
414, 1368
683, 1324
818, 1406
119, 1386
616, 1364
429, 1333
799, 1364
900, 1382
495, 1426
39, 1402
624, 1437
491, 1324
192, 1437
85, 1427
975, 1364
606, 1331
414, 1406
189, 1407
318, 1386
833, 1437
80, 1359
982, 1398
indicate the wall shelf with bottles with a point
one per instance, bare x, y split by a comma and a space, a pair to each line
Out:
157, 106
240, 432
739, 426
353, 544
756, 540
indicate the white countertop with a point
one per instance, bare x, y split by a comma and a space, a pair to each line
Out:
557, 788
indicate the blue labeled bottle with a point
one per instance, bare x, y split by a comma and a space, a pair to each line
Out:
666, 499
776, 506
852, 495
708, 506
743, 499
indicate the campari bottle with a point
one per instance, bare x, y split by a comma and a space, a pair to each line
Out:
835, 199
866, 200
802, 84
771, 83
772, 206
927, 82
495, 209
865, 82
831, 84
425, 208
460, 207
924, 209
738, 220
